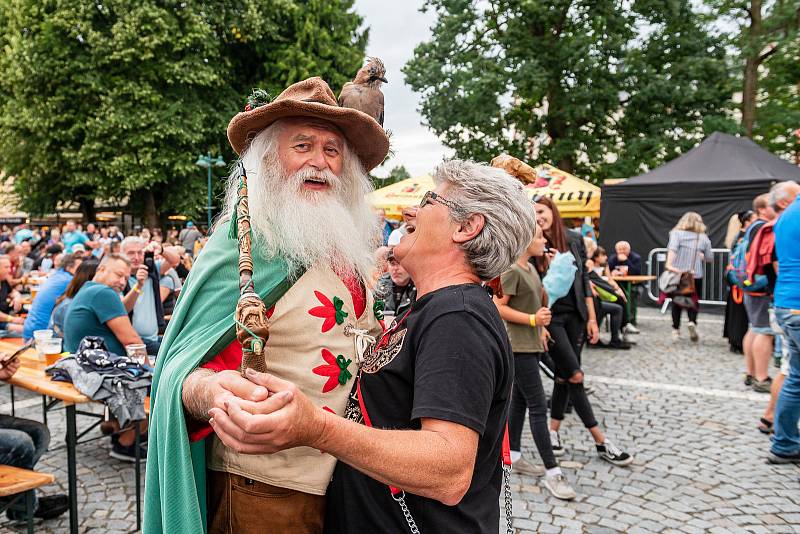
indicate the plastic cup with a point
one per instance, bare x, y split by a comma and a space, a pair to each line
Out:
388, 318
52, 350
39, 336
137, 352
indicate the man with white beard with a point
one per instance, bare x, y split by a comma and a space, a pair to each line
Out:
313, 234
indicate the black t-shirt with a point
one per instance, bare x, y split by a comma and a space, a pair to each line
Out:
5, 292
448, 359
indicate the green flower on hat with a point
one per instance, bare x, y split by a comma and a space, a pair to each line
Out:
258, 98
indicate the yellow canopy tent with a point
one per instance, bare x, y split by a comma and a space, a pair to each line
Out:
573, 196
393, 198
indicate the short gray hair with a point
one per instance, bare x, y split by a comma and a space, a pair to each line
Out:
108, 258
510, 219
130, 240
780, 191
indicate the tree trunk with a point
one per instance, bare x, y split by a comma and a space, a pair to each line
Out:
752, 62
88, 210
150, 216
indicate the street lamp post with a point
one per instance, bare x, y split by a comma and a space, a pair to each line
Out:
206, 161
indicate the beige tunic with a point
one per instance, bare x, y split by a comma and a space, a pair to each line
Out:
309, 343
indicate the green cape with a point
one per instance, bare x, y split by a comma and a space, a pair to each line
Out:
201, 326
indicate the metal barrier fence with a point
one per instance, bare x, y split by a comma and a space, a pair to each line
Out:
715, 289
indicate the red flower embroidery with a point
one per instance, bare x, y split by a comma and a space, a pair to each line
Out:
335, 369
330, 311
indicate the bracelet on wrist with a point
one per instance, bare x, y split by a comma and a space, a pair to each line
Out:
590, 321
532, 320
136, 289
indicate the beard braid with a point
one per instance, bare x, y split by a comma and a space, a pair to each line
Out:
335, 227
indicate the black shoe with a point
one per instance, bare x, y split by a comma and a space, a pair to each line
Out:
619, 345
748, 380
48, 507
612, 454
775, 458
51, 506
127, 454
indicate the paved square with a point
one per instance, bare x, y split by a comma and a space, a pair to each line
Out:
679, 407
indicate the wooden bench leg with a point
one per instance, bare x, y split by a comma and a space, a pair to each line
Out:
29, 509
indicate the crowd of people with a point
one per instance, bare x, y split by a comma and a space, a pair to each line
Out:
400, 362
91, 281
762, 310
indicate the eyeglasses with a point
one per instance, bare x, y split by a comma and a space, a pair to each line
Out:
431, 196
537, 198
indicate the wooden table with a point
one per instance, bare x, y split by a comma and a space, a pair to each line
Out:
626, 283
32, 377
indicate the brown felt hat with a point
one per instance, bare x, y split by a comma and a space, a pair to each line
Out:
313, 98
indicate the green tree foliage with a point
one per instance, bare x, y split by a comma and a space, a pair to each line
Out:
397, 174
595, 86
767, 59
115, 99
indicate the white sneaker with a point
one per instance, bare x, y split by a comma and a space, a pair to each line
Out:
558, 447
524, 467
559, 487
676, 334
693, 331
630, 329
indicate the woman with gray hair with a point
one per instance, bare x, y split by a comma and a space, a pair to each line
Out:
435, 387
688, 249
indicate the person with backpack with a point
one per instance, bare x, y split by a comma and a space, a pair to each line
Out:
736, 325
759, 337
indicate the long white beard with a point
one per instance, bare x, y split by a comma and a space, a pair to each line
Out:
333, 228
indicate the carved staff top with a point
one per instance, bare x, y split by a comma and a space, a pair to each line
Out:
252, 330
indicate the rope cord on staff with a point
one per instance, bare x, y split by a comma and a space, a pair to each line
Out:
252, 330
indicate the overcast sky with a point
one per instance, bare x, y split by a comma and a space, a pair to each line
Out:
395, 29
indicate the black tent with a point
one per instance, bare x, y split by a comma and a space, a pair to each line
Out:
717, 178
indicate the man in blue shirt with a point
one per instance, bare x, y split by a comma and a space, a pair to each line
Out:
786, 444
55, 285
72, 237
97, 309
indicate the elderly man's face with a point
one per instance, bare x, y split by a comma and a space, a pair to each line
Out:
622, 248
792, 190
399, 275
304, 145
135, 253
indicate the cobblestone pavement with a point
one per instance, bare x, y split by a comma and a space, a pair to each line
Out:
680, 408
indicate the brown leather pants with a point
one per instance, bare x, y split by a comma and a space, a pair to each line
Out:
239, 505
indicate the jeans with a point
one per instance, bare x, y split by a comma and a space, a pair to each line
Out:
22, 442
567, 333
787, 410
528, 392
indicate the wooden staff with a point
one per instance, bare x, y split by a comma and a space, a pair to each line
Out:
251, 313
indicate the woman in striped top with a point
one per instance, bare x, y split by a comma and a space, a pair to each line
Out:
688, 250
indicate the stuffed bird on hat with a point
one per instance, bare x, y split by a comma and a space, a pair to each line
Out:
364, 92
